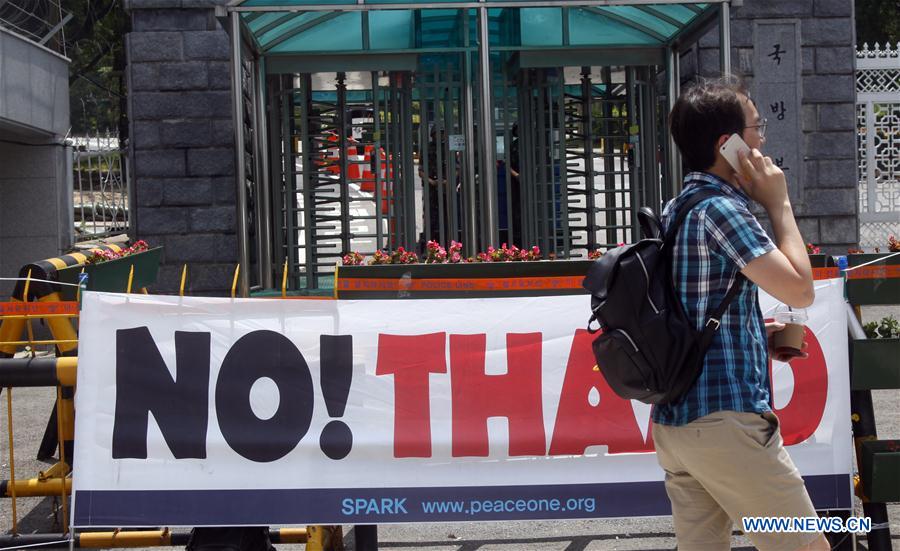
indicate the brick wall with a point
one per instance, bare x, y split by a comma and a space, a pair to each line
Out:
827, 210
182, 141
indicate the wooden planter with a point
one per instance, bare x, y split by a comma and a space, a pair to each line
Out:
477, 279
875, 364
877, 283
112, 275
880, 470
821, 261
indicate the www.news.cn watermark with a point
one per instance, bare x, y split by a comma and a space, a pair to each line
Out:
807, 524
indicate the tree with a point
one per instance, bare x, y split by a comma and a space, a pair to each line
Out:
877, 21
95, 42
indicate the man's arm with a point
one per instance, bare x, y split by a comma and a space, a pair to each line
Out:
784, 273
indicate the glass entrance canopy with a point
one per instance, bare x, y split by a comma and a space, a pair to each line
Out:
295, 26
374, 124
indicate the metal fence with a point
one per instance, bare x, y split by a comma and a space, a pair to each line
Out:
878, 132
41, 21
100, 187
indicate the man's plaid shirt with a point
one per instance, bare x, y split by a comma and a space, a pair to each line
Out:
717, 239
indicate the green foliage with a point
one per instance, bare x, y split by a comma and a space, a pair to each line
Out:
877, 21
95, 42
871, 330
889, 328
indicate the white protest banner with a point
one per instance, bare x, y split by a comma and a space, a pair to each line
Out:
209, 411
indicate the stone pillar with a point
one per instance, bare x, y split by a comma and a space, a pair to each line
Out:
825, 178
182, 145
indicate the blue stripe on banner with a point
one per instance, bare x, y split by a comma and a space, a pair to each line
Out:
134, 508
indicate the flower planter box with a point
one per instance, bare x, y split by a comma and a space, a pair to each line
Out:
112, 275
877, 283
880, 470
822, 261
875, 364
464, 280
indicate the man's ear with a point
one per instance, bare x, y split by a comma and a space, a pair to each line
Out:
721, 141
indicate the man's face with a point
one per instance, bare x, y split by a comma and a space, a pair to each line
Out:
752, 120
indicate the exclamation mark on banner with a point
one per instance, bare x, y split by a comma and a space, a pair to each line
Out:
336, 374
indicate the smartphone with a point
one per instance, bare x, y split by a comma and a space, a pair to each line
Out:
730, 150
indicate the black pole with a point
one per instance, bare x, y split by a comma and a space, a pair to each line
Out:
366, 537
863, 416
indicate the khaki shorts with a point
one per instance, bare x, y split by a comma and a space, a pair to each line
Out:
725, 466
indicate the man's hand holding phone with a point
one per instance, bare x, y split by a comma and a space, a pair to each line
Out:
762, 180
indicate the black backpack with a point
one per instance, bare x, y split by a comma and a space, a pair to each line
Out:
649, 350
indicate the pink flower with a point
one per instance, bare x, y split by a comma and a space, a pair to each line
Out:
380, 257
353, 259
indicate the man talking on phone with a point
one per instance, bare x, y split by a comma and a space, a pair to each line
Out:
721, 446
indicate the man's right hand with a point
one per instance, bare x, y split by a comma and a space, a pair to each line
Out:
762, 180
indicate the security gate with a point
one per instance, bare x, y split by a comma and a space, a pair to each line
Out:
375, 126
347, 168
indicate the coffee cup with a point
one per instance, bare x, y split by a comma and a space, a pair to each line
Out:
788, 343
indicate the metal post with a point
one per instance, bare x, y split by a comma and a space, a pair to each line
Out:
343, 179
528, 172
390, 160
470, 237
289, 193
488, 143
263, 178
673, 72
511, 235
443, 183
725, 37
454, 175
408, 163
308, 212
424, 162
376, 150
587, 122
277, 181
542, 171
239, 169
561, 182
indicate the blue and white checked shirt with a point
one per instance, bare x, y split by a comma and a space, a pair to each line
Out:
717, 239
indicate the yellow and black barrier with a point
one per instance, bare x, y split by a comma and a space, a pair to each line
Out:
42, 371
36, 285
135, 538
35, 299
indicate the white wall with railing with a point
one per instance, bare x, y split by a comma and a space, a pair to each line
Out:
878, 131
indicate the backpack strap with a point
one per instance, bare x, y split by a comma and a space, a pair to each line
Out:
683, 211
714, 321
710, 329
